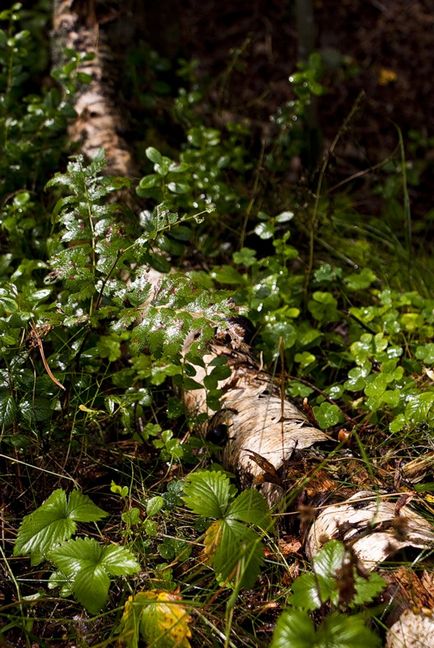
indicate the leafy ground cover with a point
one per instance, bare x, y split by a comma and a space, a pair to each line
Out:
120, 523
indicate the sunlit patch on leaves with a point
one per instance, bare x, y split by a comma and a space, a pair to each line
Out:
159, 617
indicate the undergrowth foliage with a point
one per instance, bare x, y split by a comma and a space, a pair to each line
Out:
96, 305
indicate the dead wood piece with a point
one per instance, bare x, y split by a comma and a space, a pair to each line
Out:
98, 123
412, 630
416, 470
371, 526
259, 421
407, 589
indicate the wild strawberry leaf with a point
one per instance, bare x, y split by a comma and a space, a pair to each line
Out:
306, 592
250, 506
53, 523
159, 617
208, 493
294, 628
239, 555
87, 565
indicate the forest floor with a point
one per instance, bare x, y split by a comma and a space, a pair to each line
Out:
342, 321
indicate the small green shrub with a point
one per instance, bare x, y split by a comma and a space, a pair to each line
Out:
233, 549
334, 583
84, 566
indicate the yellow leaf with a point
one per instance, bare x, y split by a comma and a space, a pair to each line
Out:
161, 618
386, 76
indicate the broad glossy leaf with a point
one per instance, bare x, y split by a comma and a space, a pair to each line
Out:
90, 587
87, 565
343, 631
212, 539
165, 622
239, 555
208, 493
8, 408
294, 629
81, 508
250, 506
329, 559
305, 592
119, 561
49, 525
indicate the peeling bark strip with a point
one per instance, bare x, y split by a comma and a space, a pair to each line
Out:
264, 429
371, 526
98, 122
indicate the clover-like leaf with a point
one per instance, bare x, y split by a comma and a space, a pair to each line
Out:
327, 415
250, 506
87, 565
53, 523
208, 493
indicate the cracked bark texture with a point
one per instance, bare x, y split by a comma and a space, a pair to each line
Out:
99, 123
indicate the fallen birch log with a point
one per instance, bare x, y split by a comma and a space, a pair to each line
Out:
264, 429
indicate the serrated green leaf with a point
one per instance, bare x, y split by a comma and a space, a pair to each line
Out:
119, 561
54, 522
81, 508
208, 493
87, 565
343, 631
8, 408
294, 629
367, 589
305, 592
326, 563
329, 559
90, 587
44, 528
239, 555
36, 409
250, 506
